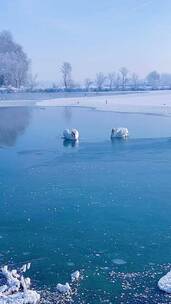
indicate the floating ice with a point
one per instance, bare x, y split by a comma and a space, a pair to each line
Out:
64, 288
71, 264
17, 288
119, 133
119, 261
75, 276
165, 283
71, 134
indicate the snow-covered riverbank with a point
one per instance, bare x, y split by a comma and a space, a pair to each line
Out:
157, 102
151, 102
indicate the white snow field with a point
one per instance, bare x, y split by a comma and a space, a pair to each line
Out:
149, 102
155, 102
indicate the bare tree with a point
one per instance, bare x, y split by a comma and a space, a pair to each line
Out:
32, 81
112, 80
100, 79
66, 70
124, 74
88, 82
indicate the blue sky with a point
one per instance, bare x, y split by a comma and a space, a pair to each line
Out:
94, 35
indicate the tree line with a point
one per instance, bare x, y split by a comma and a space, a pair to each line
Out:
120, 80
15, 71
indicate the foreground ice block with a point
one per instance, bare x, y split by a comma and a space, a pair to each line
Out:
29, 297
165, 283
17, 288
71, 134
64, 288
119, 133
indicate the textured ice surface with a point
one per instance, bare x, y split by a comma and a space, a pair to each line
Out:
63, 288
17, 288
75, 276
28, 297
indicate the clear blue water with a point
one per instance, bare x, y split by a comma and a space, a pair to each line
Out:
100, 207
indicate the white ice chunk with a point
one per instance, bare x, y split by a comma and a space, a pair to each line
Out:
3, 288
28, 266
12, 281
64, 288
75, 276
27, 282
24, 268
29, 297
165, 283
14, 273
17, 290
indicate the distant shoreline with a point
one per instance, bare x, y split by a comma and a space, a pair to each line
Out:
152, 103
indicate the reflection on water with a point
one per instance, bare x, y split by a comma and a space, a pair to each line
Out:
70, 143
68, 114
117, 140
13, 123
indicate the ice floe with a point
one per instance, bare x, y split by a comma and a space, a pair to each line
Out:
67, 290
64, 288
165, 283
75, 276
119, 261
16, 289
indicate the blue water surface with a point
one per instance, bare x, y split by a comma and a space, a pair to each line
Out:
102, 207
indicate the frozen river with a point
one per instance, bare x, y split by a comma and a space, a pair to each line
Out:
100, 207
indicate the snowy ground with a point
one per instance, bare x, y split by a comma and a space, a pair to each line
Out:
156, 102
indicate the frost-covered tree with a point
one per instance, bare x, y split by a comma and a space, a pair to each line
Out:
66, 70
111, 80
88, 82
153, 79
134, 81
118, 81
14, 63
165, 79
32, 81
100, 79
124, 73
